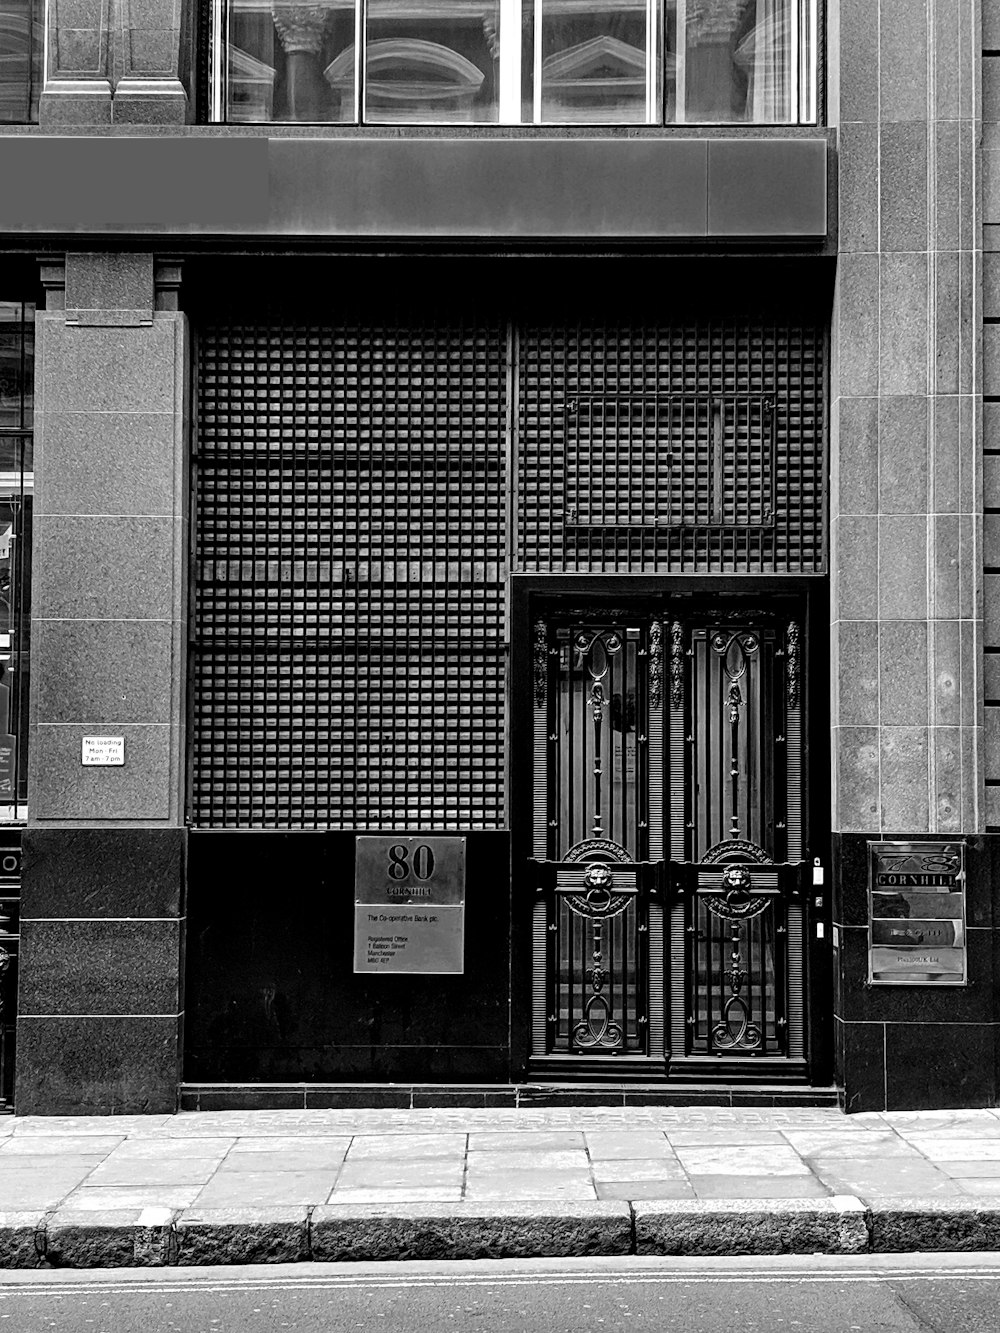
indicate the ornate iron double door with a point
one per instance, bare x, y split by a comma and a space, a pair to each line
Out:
669, 876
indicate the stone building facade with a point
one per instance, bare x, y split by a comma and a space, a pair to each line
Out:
570, 487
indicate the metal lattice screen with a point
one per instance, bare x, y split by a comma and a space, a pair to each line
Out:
690, 448
348, 654
351, 493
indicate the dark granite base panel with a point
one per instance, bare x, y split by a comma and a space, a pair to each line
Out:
902, 1048
939, 1066
861, 1057
97, 1066
104, 967
863, 1003
271, 992
104, 872
102, 935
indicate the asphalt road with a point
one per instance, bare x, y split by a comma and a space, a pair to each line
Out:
925, 1293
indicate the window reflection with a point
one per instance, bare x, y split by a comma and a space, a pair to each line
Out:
16, 487
518, 61
20, 60
277, 55
431, 61
732, 60
594, 62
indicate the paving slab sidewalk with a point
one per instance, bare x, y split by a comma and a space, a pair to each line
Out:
273, 1186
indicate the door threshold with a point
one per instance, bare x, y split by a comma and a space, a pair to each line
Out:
405, 1096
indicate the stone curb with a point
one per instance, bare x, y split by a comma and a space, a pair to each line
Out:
119, 1238
901, 1225
22, 1239
752, 1226
156, 1237
471, 1231
277, 1235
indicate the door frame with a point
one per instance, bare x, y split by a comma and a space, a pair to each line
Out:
532, 594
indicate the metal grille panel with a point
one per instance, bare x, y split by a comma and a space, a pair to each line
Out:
672, 449
348, 647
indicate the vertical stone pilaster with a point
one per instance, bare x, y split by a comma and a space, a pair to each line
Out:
907, 628
78, 64
906, 500
113, 61
102, 920
147, 51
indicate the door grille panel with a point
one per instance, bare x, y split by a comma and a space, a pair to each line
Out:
607, 697
348, 648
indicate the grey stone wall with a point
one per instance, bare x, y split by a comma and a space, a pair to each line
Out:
906, 504
102, 911
991, 400
907, 529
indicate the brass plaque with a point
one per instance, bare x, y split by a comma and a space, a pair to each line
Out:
916, 902
409, 939
409, 904
409, 870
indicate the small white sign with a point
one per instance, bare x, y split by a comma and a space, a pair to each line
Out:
104, 751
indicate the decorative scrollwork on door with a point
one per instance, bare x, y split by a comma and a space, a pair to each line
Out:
601, 669
598, 1027
735, 903
655, 663
735, 650
594, 650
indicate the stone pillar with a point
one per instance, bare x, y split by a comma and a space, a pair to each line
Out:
100, 995
113, 61
77, 87
147, 51
906, 521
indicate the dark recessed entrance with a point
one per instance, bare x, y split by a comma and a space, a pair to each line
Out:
629, 512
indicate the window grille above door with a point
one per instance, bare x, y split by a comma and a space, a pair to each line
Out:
687, 448
650, 461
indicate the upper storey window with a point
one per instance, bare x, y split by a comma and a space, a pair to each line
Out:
20, 60
515, 62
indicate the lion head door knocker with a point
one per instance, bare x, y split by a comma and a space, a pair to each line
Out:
736, 884
598, 880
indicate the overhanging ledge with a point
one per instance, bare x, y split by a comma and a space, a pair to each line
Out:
569, 188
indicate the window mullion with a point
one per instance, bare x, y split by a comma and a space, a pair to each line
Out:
680, 55
510, 62
794, 101
360, 57
537, 48
651, 62
220, 48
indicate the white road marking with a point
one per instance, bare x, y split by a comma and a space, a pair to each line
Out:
115, 1286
